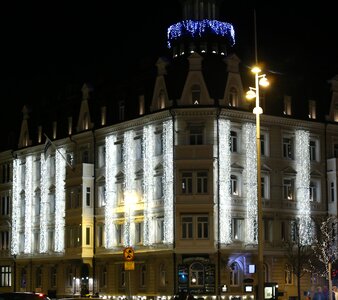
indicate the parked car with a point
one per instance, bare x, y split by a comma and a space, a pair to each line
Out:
23, 296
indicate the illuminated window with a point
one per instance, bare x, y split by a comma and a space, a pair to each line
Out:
312, 109
5, 276
288, 276
196, 275
233, 97
237, 229
288, 189
287, 147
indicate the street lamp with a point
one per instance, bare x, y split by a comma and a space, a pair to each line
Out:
260, 79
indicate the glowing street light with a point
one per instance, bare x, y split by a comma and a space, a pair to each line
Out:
260, 80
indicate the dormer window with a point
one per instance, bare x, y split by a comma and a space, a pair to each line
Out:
161, 99
312, 109
195, 94
233, 97
287, 106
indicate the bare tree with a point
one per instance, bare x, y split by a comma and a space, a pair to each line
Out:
298, 255
325, 247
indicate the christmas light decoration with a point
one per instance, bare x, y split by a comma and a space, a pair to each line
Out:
168, 181
60, 200
44, 185
129, 184
111, 193
199, 28
224, 183
148, 183
302, 158
250, 182
28, 204
16, 207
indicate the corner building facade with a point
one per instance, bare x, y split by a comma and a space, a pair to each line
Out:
176, 180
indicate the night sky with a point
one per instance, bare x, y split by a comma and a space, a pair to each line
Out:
45, 45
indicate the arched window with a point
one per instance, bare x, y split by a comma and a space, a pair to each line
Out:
196, 274
234, 274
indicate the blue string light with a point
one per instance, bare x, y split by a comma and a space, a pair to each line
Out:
199, 28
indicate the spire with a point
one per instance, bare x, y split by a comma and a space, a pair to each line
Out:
200, 30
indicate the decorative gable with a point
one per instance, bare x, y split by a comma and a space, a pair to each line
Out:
84, 122
195, 91
233, 93
24, 140
160, 96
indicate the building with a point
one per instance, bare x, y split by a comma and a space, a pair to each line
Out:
174, 177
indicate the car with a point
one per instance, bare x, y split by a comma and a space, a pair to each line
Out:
23, 296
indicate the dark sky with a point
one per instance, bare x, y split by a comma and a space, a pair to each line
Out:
44, 45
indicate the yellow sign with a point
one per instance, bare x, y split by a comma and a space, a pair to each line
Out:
129, 265
128, 254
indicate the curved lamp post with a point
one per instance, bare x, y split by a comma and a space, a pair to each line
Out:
260, 80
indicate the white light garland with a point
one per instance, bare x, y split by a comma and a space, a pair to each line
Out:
168, 181
148, 183
16, 207
44, 184
302, 158
28, 204
60, 200
129, 185
111, 195
224, 183
250, 182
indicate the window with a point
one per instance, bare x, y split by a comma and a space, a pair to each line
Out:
237, 229
264, 187
4, 240
332, 191
187, 182
233, 141
5, 276
234, 185
138, 232
264, 144
138, 150
195, 94
202, 227
87, 235
287, 148
187, 227
101, 195
120, 238
196, 275
103, 276
158, 143
122, 277
100, 235
194, 182
53, 276
101, 156
4, 204
313, 156
159, 230
119, 153
85, 156
202, 182
87, 196
162, 275
313, 191
38, 277
195, 227
288, 189
312, 109
143, 276
288, 275
233, 97
335, 150
234, 274
268, 227
158, 187
196, 135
